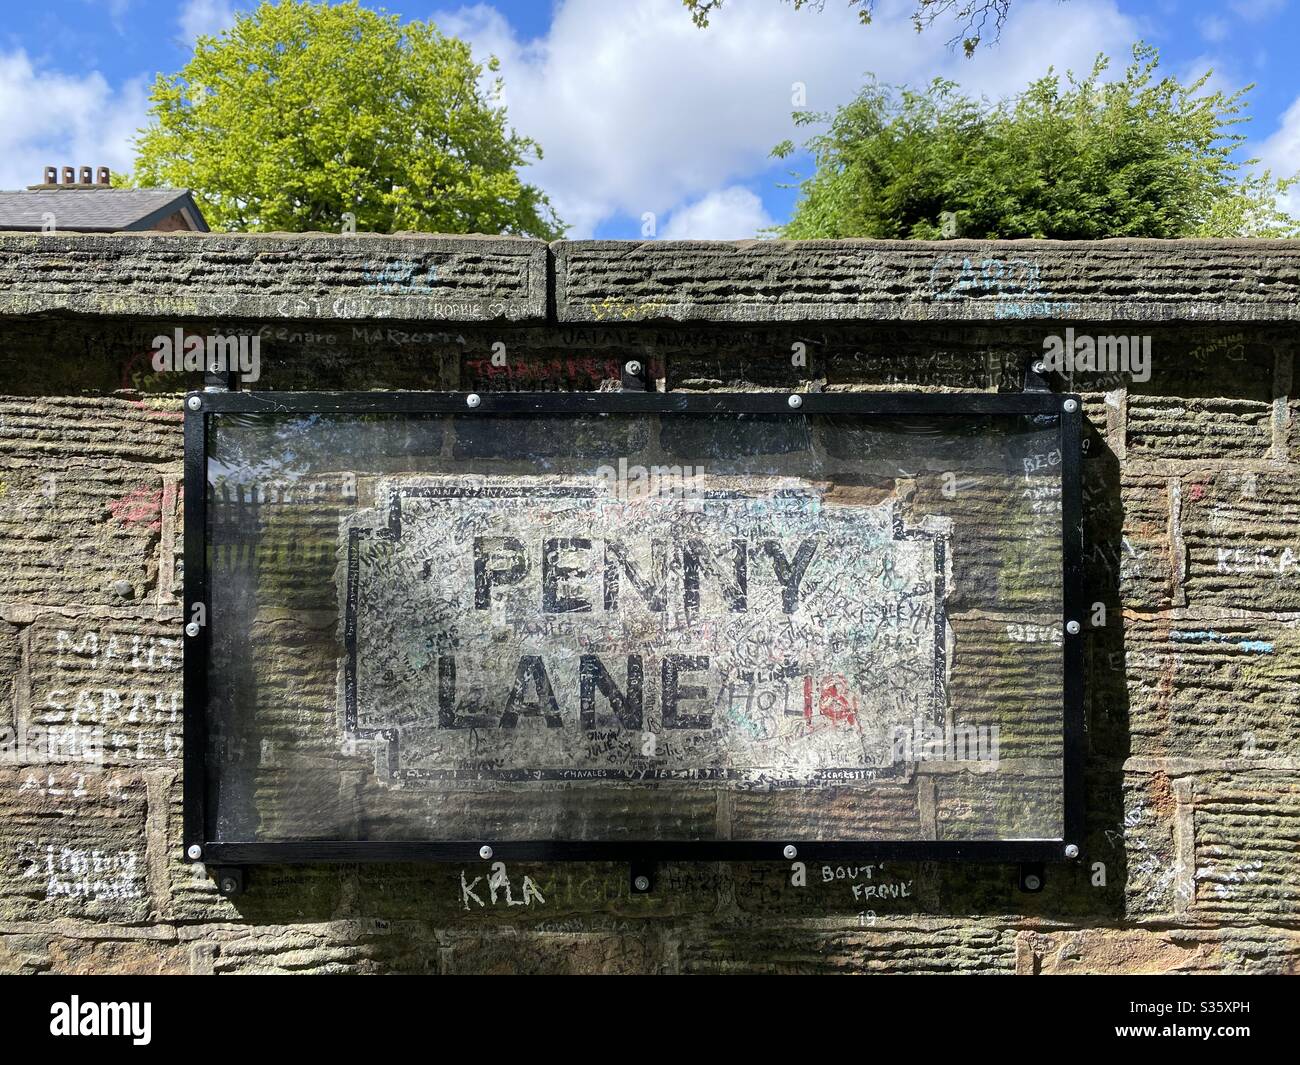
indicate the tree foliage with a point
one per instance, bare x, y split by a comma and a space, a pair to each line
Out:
302, 112
1134, 157
976, 18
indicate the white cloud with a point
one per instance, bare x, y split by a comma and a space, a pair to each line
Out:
733, 213
58, 119
1221, 78
1212, 28
204, 17
1257, 10
116, 9
1280, 153
638, 110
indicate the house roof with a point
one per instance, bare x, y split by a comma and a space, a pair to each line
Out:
96, 210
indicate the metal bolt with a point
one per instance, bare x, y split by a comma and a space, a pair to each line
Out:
641, 883
192, 629
485, 852
1040, 367
632, 368
1072, 627
473, 399
194, 852
1070, 406
795, 401
194, 403
228, 886
791, 851
1032, 883
1071, 850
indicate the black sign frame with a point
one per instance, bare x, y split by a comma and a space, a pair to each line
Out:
200, 405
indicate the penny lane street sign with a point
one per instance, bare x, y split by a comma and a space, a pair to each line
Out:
555, 632
427, 631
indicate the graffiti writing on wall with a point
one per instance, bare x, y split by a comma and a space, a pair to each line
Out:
514, 632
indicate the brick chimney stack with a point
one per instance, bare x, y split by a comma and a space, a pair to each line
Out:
87, 178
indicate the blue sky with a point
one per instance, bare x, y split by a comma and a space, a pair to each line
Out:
639, 112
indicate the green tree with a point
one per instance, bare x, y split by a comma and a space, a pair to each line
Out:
1134, 157
302, 112
974, 17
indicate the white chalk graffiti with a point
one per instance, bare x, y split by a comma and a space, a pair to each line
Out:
498, 890
84, 873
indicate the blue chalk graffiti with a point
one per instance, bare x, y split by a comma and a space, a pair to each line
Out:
400, 275
1263, 647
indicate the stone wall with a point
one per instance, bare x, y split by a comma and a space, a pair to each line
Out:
1192, 509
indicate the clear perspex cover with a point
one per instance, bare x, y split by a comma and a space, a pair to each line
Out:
631, 626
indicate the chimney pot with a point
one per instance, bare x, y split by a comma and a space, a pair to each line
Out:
69, 175
51, 175
85, 176
103, 177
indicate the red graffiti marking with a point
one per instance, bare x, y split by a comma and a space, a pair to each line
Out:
839, 705
139, 506
834, 700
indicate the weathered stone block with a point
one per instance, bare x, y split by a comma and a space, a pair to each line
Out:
1005, 805
48, 357
261, 276
536, 954
1147, 850
1129, 557
917, 947
10, 656
73, 844
111, 560
1200, 689
747, 281
1246, 827
881, 811
547, 360
1104, 951
880, 356
96, 954
112, 433
1163, 361
120, 679
1242, 536
1171, 428
90, 466
294, 947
